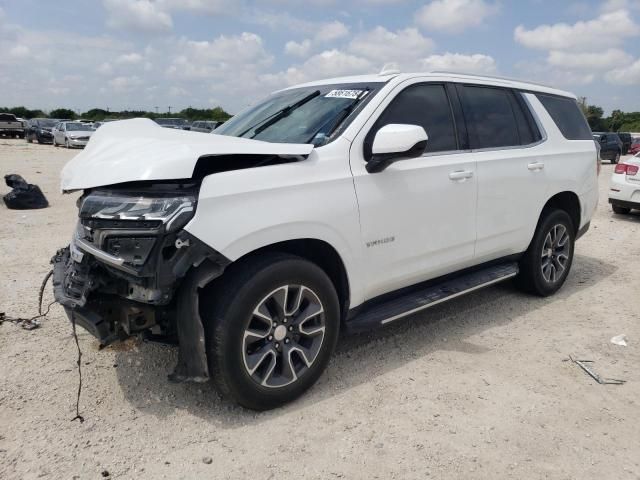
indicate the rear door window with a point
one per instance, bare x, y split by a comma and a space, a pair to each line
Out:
426, 105
490, 117
567, 115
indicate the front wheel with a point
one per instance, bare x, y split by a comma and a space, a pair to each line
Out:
66, 143
546, 263
272, 324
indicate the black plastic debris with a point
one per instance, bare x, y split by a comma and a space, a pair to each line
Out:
24, 196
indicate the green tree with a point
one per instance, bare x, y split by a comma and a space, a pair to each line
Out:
62, 113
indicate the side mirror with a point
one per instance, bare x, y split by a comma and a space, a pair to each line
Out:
395, 142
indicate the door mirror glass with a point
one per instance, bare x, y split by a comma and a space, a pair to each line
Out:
395, 142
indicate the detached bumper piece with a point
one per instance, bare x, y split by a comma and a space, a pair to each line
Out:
115, 294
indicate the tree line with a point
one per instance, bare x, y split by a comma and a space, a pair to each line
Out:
98, 114
618, 121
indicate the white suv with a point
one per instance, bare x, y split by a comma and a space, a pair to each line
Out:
345, 203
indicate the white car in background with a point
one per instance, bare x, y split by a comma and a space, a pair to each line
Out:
71, 134
624, 192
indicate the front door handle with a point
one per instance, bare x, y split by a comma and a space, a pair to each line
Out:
535, 166
460, 175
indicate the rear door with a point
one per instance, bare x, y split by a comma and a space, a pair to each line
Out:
417, 217
511, 177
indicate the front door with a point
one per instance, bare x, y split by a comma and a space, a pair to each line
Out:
417, 216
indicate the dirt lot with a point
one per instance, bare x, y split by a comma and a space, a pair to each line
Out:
477, 388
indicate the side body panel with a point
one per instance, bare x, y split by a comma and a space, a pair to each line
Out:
241, 211
417, 222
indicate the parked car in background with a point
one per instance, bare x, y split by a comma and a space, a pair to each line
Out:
204, 126
343, 204
10, 125
624, 190
610, 146
626, 139
177, 123
635, 146
71, 134
39, 130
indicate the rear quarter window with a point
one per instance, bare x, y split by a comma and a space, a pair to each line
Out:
567, 116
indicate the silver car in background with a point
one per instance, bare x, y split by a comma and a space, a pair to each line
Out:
71, 134
204, 126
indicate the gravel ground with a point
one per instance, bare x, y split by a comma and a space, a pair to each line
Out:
476, 388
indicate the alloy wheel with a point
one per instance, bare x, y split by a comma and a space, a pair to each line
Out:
283, 336
556, 250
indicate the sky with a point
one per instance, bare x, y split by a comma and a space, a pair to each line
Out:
148, 54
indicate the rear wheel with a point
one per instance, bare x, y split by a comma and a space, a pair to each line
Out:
272, 324
620, 210
546, 264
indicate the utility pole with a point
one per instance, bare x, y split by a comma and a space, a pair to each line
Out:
169, 109
156, 110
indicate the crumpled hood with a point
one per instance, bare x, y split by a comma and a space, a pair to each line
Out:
140, 149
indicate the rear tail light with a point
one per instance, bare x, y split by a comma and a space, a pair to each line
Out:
626, 169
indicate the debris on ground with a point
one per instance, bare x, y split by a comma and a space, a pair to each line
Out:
619, 340
24, 196
601, 380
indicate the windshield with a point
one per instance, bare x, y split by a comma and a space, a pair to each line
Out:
47, 123
77, 127
302, 115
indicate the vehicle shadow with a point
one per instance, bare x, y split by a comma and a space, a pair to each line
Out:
142, 371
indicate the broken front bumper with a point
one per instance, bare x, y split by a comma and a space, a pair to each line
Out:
113, 299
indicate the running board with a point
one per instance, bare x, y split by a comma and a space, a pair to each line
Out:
419, 299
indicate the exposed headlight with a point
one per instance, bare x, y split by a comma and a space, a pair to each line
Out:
172, 210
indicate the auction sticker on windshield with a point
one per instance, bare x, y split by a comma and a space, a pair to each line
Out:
353, 94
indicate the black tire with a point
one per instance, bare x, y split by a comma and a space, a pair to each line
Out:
531, 277
616, 158
620, 210
228, 311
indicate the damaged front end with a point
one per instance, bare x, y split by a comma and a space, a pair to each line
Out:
132, 269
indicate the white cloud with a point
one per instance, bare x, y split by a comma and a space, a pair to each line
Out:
129, 58
138, 15
298, 49
209, 7
331, 31
19, 51
456, 62
381, 45
454, 15
627, 75
609, 29
125, 83
590, 61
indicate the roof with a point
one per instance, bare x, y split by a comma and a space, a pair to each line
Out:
448, 76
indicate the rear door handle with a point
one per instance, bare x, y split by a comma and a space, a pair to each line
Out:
535, 166
460, 175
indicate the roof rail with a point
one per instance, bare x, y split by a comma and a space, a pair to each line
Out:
494, 77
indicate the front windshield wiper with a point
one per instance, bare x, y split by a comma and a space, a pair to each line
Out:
342, 115
265, 123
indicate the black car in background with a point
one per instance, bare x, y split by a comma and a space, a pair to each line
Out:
39, 130
610, 145
626, 141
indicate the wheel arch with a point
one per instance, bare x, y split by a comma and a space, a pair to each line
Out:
320, 253
567, 201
